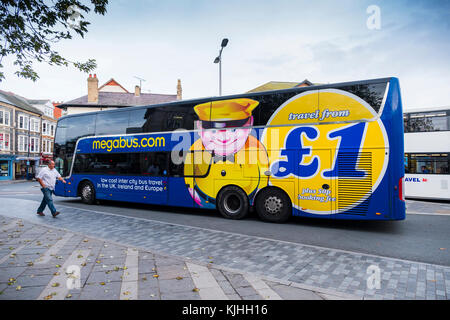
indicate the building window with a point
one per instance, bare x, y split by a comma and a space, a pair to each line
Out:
4, 141
52, 130
47, 146
23, 143
34, 144
4, 117
34, 125
23, 122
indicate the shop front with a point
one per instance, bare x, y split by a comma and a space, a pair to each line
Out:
6, 167
26, 167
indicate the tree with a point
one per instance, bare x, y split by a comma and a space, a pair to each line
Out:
29, 28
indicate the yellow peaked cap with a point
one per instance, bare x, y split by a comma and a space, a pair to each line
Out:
226, 110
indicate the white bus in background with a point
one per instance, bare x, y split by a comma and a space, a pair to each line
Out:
427, 153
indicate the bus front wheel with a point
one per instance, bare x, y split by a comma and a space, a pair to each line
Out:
273, 205
232, 203
87, 193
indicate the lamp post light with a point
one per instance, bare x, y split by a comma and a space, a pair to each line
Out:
219, 61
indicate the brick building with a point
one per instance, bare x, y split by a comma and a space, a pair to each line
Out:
20, 137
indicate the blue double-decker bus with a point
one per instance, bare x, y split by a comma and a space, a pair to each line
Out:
329, 151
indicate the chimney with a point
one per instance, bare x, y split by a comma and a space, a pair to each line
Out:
179, 90
137, 91
92, 88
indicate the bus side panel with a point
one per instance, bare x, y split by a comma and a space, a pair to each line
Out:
179, 195
60, 189
393, 121
152, 190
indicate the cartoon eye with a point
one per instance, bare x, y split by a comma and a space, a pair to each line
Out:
233, 130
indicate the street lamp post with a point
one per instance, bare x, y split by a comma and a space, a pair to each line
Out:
219, 61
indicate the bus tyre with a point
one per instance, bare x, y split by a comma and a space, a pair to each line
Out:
87, 193
273, 205
232, 203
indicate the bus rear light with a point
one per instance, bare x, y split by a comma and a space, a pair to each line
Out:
401, 189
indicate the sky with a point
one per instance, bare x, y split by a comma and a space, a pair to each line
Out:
324, 41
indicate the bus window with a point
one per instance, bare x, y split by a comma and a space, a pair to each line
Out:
268, 104
162, 119
176, 164
112, 123
154, 164
182, 116
427, 163
194, 164
77, 127
136, 121
372, 93
426, 122
60, 147
155, 120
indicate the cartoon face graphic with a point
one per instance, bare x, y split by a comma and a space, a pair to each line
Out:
222, 124
223, 140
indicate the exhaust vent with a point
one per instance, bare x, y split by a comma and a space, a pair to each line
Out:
354, 191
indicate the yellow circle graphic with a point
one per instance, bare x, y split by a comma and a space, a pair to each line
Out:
332, 157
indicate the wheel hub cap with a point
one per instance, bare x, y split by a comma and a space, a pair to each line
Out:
232, 204
273, 205
86, 192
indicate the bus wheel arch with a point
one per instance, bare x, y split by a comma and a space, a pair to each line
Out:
86, 191
232, 202
273, 204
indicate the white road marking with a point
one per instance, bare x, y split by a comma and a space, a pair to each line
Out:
12, 253
129, 288
428, 214
10, 225
208, 287
57, 287
262, 288
53, 249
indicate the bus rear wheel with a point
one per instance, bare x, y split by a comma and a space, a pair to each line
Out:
273, 205
232, 203
87, 193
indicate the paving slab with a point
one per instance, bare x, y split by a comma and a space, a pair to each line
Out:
297, 268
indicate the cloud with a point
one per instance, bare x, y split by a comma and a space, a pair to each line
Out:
324, 41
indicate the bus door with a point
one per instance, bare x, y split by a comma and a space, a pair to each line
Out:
188, 170
153, 185
316, 188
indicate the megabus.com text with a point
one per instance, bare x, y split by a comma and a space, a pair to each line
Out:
121, 143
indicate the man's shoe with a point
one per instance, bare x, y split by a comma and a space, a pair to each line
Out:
40, 214
55, 214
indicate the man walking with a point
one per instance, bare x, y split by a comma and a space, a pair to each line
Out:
47, 179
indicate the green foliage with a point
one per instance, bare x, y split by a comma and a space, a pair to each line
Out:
29, 28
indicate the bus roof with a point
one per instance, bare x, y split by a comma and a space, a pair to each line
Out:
426, 109
241, 95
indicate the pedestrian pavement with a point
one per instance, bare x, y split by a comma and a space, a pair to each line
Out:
427, 207
4, 182
47, 263
184, 262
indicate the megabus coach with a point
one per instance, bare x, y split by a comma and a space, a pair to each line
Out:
330, 151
